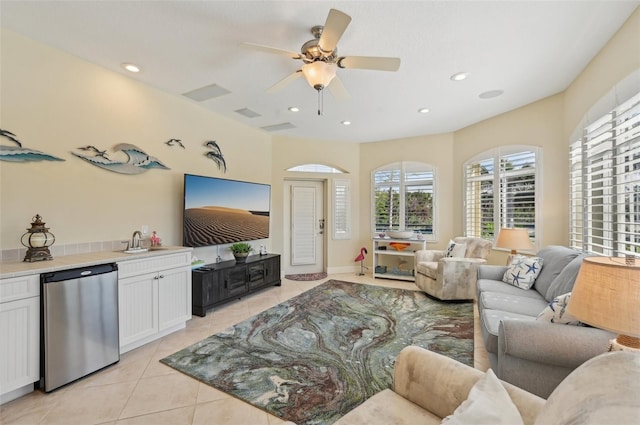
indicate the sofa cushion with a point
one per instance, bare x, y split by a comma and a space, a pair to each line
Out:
555, 259
490, 285
428, 268
556, 312
512, 303
523, 271
490, 323
488, 403
563, 283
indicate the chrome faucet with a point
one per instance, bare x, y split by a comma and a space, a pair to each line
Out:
135, 243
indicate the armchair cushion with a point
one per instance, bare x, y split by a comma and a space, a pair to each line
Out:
456, 250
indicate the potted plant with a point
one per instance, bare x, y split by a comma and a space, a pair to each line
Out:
241, 251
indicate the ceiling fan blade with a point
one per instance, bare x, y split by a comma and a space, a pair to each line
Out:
334, 27
337, 89
369, 62
292, 55
285, 81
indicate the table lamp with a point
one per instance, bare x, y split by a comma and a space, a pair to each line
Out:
513, 239
606, 295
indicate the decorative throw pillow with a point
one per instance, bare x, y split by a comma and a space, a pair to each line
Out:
523, 271
556, 312
488, 403
456, 250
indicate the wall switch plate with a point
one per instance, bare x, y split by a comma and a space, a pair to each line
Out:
144, 230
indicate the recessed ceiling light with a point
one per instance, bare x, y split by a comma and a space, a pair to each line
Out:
345, 122
490, 94
459, 76
423, 110
131, 67
294, 109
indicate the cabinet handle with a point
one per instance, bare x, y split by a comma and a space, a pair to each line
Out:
156, 277
161, 276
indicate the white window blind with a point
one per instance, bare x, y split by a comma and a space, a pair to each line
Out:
403, 197
605, 183
500, 191
341, 209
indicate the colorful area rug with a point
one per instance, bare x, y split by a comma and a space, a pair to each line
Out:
306, 276
315, 357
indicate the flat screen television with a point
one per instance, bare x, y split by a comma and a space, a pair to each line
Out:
220, 211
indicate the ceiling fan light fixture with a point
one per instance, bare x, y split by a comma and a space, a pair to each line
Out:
319, 74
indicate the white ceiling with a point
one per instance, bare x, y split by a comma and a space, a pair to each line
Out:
528, 49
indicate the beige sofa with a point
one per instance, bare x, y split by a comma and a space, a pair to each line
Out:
428, 387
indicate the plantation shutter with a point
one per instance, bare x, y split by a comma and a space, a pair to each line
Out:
341, 209
518, 191
479, 199
500, 191
605, 183
418, 197
387, 199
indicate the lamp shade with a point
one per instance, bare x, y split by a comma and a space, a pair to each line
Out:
514, 239
606, 295
319, 74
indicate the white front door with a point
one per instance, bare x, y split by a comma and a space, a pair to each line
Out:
304, 226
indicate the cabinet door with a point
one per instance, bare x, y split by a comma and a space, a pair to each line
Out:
19, 343
256, 274
138, 307
174, 297
235, 281
272, 271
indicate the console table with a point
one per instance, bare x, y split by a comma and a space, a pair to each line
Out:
217, 283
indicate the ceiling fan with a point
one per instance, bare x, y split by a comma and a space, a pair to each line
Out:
321, 60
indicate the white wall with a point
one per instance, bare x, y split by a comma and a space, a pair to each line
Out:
55, 103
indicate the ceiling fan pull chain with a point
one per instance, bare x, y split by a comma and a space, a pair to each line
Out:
320, 102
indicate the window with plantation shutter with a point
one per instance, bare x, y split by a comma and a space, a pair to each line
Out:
500, 191
605, 183
341, 209
403, 198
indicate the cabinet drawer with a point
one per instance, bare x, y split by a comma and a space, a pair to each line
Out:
17, 288
161, 262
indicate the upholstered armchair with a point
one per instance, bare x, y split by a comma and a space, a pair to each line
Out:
451, 278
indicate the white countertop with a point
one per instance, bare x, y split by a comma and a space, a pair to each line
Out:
21, 268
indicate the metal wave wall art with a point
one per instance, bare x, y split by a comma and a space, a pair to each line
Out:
21, 154
215, 154
138, 161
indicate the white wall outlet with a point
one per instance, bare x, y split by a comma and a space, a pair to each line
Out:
144, 230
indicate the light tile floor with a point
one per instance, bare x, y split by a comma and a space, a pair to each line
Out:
141, 390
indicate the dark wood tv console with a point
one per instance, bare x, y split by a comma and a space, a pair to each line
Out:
217, 283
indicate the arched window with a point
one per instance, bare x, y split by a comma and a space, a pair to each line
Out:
316, 168
500, 191
404, 198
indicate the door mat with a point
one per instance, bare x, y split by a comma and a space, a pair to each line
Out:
306, 276
315, 357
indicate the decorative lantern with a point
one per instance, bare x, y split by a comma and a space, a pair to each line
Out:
38, 239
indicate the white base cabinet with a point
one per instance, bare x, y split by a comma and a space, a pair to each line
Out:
19, 336
391, 263
154, 297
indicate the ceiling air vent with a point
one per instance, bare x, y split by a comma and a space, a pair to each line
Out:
277, 127
247, 113
206, 92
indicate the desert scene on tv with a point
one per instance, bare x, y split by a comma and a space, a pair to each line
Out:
220, 211
212, 225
